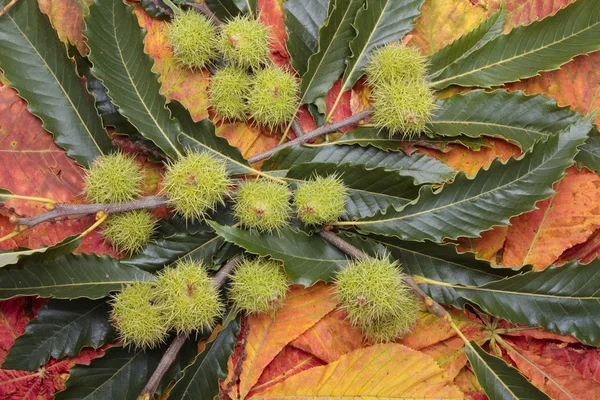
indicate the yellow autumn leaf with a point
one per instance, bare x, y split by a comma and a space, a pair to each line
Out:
390, 371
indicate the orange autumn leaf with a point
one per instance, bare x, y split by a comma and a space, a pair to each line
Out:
179, 83
567, 218
331, 337
269, 333
471, 161
487, 245
67, 17
389, 370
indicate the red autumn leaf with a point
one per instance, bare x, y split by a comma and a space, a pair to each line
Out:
39, 168
43, 383
290, 361
563, 371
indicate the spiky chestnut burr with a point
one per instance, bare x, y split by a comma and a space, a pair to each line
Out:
139, 320
395, 62
390, 329
130, 231
113, 178
196, 184
273, 97
403, 108
188, 297
321, 200
244, 42
372, 290
258, 286
227, 92
193, 38
262, 205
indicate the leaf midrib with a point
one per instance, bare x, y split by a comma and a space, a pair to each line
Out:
455, 122
366, 45
431, 210
58, 83
126, 68
312, 79
454, 77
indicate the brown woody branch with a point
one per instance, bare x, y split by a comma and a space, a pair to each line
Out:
63, 210
320, 131
170, 355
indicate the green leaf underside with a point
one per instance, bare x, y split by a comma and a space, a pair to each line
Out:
119, 374
423, 168
171, 247
327, 64
68, 277
380, 138
67, 246
61, 329
200, 380
302, 21
378, 22
462, 47
117, 53
36, 64
307, 259
589, 153
499, 380
468, 207
526, 50
369, 190
201, 137
562, 299
442, 263
224, 9
520, 119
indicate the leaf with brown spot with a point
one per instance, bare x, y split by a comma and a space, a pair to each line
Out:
487, 245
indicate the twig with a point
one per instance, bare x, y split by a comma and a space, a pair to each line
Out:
163, 366
170, 355
297, 128
224, 272
62, 210
342, 245
352, 120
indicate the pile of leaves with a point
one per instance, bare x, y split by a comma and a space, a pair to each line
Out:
492, 211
